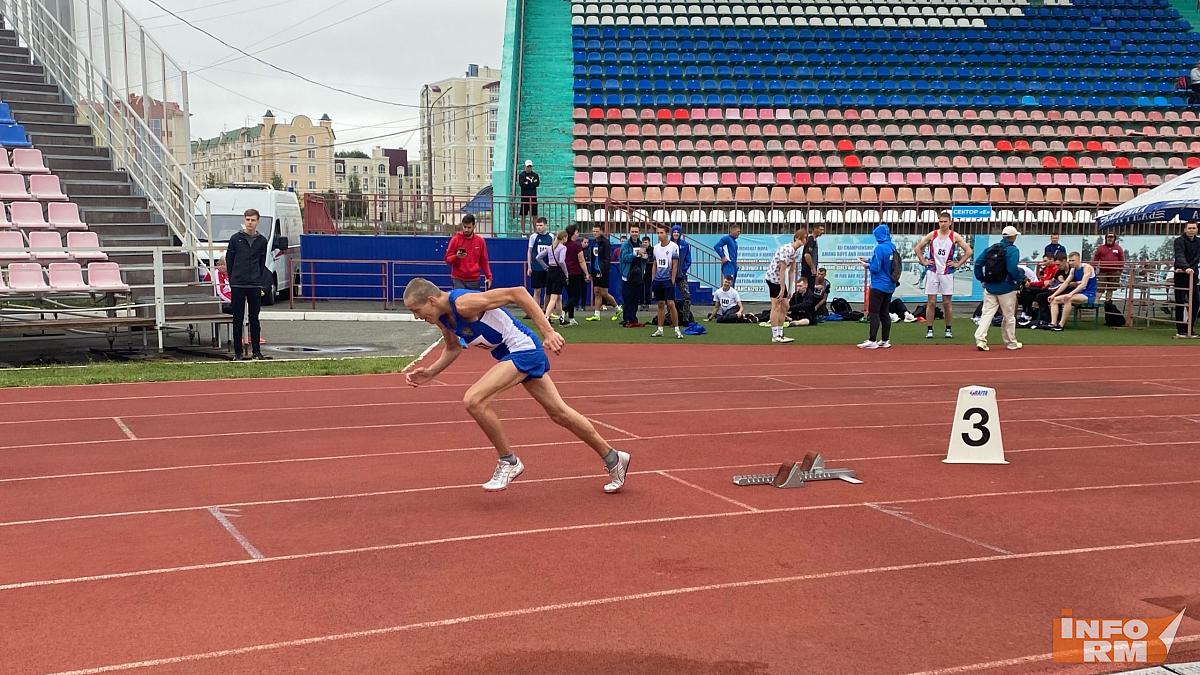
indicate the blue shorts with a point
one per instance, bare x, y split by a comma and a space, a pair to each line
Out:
662, 291
533, 362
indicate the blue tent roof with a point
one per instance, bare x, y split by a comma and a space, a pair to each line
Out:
480, 203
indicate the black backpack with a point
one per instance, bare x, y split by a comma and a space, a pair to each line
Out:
994, 267
840, 306
897, 266
1112, 314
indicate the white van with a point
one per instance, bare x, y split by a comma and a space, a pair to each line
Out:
279, 221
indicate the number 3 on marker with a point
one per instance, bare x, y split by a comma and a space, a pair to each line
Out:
985, 434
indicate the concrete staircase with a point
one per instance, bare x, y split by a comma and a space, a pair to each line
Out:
107, 199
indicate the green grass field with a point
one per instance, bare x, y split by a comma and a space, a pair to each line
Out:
841, 333
165, 371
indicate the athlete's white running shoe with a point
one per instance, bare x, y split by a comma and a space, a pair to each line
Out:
617, 473
505, 473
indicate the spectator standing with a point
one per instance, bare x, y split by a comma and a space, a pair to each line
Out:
539, 241
1187, 277
1194, 83
883, 286
632, 268
811, 256
1055, 249
781, 274
528, 182
998, 267
941, 253
600, 263
246, 261
577, 275
683, 295
727, 250
467, 256
666, 271
648, 247
1109, 260
555, 259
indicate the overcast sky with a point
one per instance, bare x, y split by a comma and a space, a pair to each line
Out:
387, 53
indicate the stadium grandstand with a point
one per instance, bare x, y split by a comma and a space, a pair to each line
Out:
845, 112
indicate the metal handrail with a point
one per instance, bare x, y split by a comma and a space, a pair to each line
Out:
167, 185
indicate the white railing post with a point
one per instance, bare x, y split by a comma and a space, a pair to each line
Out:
160, 296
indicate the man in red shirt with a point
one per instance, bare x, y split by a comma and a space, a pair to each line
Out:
1108, 260
467, 256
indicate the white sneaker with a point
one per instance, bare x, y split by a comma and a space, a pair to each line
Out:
1015, 345
617, 473
505, 473
981, 346
895, 317
572, 322
657, 333
909, 318
886, 344
782, 339
868, 345
678, 335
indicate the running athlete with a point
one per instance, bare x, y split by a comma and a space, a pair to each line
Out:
480, 320
935, 252
781, 274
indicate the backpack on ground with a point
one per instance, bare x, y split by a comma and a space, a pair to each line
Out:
897, 266
994, 267
1112, 314
840, 306
852, 316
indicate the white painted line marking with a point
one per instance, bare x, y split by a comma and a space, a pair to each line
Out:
907, 517
125, 428
707, 491
223, 519
573, 528
631, 597
619, 430
1096, 433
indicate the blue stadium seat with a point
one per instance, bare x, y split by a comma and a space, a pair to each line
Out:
13, 136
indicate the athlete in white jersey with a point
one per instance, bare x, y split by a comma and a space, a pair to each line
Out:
935, 251
480, 320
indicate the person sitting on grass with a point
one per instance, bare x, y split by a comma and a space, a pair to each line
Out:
1079, 289
801, 306
480, 320
727, 304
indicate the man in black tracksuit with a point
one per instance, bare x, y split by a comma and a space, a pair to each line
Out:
1187, 276
246, 260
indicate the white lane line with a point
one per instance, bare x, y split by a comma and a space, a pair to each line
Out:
617, 429
573, 528
631, 597
706, 491
125, 428
1096, 433
908, 517
223, 518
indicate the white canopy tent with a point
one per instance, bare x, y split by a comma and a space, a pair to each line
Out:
1179, 198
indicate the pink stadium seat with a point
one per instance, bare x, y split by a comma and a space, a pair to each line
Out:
67, 276
85, 246
106, 276
27, 277
783, 178
840, 178
47, 246
12, 186
5, 166
747, 178
12, 247
28, 215
803, 178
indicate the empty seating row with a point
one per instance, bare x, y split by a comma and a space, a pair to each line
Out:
828, 214
877, 178
64, 277
630, 160
46, 246
984, 114
848, 134
24, 160
29, 216
712, 196
41, 186
845, 99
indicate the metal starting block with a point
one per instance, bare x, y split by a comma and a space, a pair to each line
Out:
796, 474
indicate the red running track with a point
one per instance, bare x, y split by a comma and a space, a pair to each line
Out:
335, 525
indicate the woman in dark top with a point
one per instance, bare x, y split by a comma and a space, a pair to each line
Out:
576, 276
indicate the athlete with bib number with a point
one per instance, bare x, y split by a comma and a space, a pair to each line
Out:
936, 251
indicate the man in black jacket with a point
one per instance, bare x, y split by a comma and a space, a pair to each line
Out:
246, 259
528, 181
1187, 277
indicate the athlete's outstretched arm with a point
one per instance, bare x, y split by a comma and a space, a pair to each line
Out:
451, 351
473, 305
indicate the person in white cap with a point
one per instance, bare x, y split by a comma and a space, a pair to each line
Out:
998, 267
528, 181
